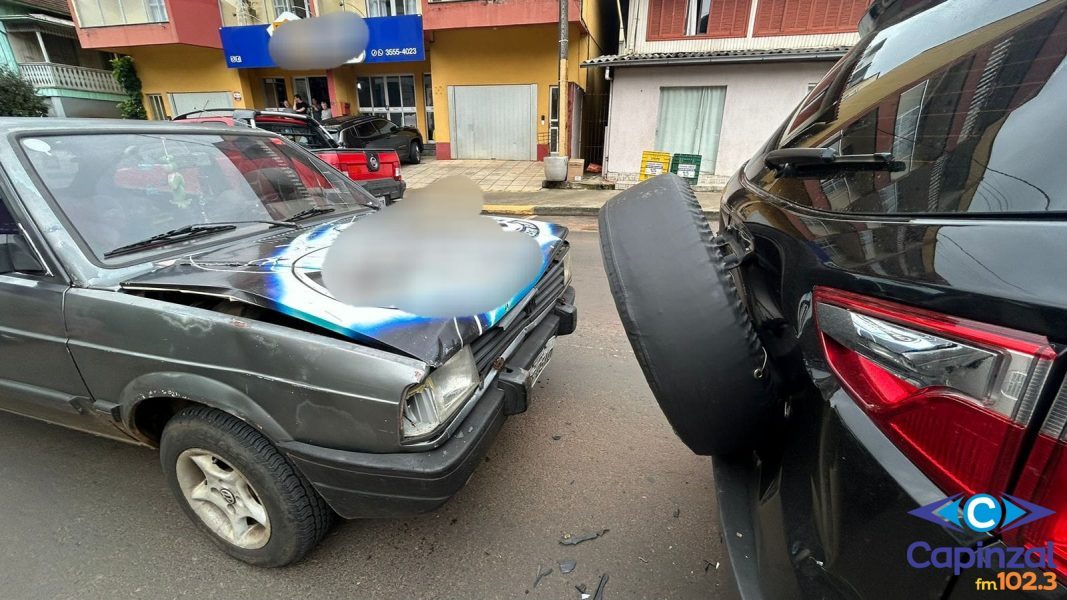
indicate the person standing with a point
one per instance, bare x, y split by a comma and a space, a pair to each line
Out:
326, 112
315, 110
286, 107
299, 106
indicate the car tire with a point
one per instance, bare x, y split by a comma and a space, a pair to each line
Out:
415, 153
245, 481
684, 317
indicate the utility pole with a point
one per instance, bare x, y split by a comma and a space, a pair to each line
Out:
564, 43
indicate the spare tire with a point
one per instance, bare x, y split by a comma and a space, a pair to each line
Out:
683, 315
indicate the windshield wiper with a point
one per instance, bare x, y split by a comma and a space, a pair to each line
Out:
311, 212
188, 232
815, 162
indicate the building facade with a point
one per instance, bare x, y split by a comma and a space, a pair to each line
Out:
38, 40
715, 78
478, 78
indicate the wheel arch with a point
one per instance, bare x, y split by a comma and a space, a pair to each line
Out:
150, 400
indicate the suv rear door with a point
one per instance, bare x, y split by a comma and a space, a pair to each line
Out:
971, 229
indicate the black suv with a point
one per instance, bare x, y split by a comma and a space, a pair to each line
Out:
872, 346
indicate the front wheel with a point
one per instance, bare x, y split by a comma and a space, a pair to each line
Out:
415, 153
239, 490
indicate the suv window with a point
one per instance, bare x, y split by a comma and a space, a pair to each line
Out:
962, 97
7, 222
366, 130
384, 125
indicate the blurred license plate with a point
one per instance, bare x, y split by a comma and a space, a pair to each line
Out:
540, 363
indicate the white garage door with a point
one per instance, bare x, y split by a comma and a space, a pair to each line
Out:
185, 102
493, 121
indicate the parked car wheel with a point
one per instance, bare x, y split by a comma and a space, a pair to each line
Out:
236, 486
685, 319
415, 153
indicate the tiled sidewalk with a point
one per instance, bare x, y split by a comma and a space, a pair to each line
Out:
491, 175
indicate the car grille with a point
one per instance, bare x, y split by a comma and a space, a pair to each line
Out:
491, 344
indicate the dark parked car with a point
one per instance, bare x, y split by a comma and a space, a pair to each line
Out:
872, 347
161, 284
369, 131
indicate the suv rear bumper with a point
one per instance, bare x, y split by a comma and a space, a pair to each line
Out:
386, 187
365, 485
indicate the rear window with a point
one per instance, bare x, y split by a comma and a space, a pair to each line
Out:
301, 133
968, 95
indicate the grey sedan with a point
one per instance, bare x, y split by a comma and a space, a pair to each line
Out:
161, 284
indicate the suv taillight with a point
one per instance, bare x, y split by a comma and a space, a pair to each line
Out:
954, 395
1043, 482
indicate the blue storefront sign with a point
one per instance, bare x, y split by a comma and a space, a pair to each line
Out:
392, 39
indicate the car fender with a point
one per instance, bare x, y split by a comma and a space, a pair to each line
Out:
166, 385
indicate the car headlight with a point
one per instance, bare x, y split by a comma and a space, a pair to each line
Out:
567, 273
440, 395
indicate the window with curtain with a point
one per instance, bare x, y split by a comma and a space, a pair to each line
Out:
690, 120
389, 8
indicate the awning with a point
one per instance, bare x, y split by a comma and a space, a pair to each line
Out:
650, 59
37, 22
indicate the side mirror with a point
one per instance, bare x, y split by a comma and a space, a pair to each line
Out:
16, 256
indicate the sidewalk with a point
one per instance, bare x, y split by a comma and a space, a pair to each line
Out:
563, 203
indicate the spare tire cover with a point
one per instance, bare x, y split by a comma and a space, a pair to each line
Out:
685, 320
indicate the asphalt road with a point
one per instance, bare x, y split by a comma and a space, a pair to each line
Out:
84, 517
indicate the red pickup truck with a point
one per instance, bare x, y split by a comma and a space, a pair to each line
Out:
378, 171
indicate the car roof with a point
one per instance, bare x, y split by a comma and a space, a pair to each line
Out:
50, 124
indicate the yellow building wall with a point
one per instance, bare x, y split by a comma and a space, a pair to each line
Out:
501, 56
174, 68
323, 7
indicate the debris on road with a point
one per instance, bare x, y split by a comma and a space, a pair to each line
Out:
567, 566
599, 593
541, 574
569, 540
677, 512
642, 559
557, 437
581, 591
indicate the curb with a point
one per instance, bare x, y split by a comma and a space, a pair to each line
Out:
555, 210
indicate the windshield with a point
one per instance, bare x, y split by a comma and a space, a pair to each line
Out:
116, 189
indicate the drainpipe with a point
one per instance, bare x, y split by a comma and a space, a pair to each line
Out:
564, 43
622, 27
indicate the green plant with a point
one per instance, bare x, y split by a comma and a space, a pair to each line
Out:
124, 72
18, 98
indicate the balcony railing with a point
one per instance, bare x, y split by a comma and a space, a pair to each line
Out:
54, 75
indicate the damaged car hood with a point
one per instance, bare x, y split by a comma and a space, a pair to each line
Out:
282, 272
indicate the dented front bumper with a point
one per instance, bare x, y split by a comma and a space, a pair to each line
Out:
366, 485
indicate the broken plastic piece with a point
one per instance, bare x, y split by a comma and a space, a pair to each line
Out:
677, 512
569, 540
567, 566
599, 594
557, 437
541, 574
581, 591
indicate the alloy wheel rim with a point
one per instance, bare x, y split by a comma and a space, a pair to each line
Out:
223, 498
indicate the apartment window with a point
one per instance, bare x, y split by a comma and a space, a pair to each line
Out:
103, 13
157, 10
156, 108
690, 120
677, 19
297, 7
390, 8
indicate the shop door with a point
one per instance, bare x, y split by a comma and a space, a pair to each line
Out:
390, 97
312, 88
493, 121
